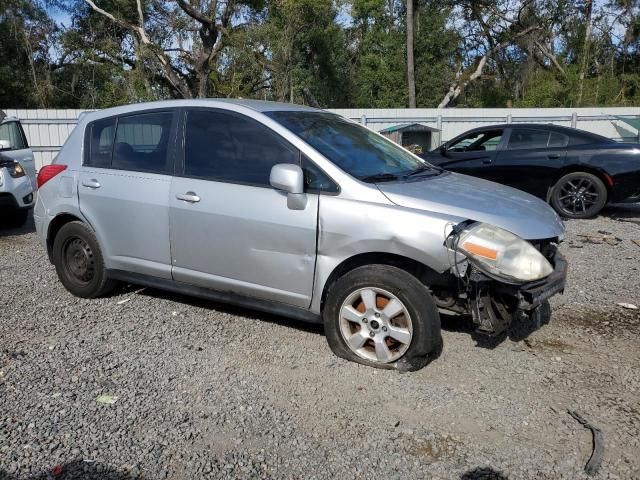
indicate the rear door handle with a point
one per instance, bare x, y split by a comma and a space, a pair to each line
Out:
486, 160
553, 156
93, 183
190, 197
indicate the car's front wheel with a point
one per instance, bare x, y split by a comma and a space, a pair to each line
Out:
579, 195
382, 316
79, 262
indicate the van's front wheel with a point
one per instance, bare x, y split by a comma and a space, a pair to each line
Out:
79, 263
382, 316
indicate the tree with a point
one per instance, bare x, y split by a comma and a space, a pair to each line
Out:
181, 44
588, 10
411, 75
24, 30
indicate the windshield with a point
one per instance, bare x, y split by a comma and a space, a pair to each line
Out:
355, 149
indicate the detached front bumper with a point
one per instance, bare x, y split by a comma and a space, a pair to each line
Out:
493, 304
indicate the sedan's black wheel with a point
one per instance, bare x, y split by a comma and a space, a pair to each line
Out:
78, 261
382, 316
579, 195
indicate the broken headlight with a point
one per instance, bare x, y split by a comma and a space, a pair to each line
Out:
502, 254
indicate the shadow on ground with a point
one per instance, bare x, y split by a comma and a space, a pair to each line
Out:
483, 473
519, 330
28, 227
77, 470
521, 327
629, 212
224, 308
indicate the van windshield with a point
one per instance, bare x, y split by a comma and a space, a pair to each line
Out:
352, 147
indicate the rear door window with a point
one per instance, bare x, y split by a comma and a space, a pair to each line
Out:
232, 148
142, 141
486, 140
523, 138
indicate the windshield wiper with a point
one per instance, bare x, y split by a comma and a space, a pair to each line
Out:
425, 168
381, 177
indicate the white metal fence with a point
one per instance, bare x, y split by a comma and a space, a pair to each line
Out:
47, 130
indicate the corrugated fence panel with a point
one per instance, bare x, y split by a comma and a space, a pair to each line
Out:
47, 130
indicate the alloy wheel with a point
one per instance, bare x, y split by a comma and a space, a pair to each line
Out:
376, 325
578, 196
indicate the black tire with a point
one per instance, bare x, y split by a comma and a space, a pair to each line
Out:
79, 262
579, 195
426, 339
15, 218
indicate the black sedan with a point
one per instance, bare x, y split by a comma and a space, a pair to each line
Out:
577, 172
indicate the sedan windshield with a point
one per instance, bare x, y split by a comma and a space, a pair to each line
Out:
355, 149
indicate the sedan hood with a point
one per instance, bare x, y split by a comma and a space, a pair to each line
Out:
479, 200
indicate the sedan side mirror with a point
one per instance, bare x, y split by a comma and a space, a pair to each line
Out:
5, 144
443, 150
289, 178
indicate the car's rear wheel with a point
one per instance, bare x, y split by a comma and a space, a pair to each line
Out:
382, 316
79, 262
579, 195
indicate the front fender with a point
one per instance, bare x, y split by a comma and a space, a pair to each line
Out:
347, 228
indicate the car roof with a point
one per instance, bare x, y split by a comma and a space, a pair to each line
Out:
256, 105
543, 126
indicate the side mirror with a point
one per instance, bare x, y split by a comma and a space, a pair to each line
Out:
289, 178
443, 150
5, 144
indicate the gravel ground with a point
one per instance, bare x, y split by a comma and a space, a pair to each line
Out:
207, 391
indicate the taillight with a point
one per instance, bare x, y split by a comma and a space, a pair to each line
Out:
47, 172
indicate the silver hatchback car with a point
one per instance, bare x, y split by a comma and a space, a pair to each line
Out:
298, 212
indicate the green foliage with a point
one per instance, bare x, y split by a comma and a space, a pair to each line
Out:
330, 53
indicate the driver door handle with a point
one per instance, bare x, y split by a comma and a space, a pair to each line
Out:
93, 183
190, 197
486, 161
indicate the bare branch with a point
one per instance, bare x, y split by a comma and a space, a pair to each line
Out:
547, 53
458, 87
195, 14
178, 83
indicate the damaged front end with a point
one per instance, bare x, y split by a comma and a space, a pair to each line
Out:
498, 276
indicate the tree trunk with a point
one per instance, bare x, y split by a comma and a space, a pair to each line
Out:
588, 9
411, 74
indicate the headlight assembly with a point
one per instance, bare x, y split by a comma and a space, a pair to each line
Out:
15, 170
502, 254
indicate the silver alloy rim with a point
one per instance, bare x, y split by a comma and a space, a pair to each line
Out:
375, 325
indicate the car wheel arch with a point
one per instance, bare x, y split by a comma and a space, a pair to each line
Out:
422, 272
55, 225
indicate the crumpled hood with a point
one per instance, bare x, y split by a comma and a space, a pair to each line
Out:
480, 200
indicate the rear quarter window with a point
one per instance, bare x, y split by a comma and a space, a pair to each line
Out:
557, 140
99, 143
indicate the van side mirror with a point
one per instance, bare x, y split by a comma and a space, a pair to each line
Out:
5, 145
289, 178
